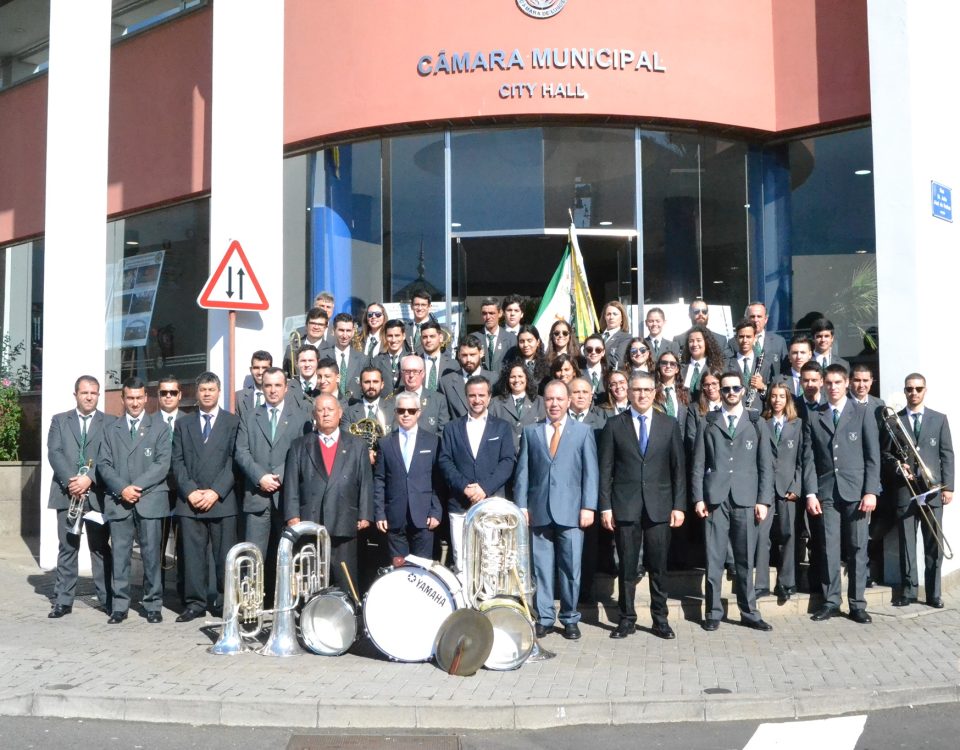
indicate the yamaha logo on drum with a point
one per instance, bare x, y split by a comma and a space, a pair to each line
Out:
541, 8
431, 592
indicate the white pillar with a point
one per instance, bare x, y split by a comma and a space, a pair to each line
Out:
913, 66
74, 284
246, 201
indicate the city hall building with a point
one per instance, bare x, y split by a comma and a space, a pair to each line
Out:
800, 153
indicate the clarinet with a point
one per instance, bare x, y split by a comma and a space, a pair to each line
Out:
751, 391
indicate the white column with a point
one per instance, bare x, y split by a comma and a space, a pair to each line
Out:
913, 66
246, 201
78, 99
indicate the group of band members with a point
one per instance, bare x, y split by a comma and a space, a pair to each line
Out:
619, 450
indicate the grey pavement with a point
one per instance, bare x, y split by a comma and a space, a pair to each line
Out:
80, 667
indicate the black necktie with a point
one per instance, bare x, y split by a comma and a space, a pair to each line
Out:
83, 439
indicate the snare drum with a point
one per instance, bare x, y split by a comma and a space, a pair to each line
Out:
405, 607
328, 623
513, 634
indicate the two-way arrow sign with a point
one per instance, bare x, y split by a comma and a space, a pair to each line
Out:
220, 292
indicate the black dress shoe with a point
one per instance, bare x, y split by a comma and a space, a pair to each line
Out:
936, 603
192, 614
571, 632
624, 629
710, 624
904, 601
59, 610
825, 613
116, 618
663, 630
761, 592
860, 616
154, 617
542, 630
761, 625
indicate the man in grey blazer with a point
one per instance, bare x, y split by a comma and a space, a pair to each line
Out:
73, 445
433, 406
841, 480
372, 405
263, 439
203, 447
133, 468
452, 384
930, 431
496, 340
556, 483
772, 345
731, 485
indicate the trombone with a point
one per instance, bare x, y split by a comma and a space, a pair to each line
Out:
921, 483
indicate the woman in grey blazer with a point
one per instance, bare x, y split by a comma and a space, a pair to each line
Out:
786, 435
516, 400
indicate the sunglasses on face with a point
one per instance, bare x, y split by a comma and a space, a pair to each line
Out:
404, 410
561, 333
668, 364
169, 393
593, 349
731, 389
638, 350
914, 389
374, 314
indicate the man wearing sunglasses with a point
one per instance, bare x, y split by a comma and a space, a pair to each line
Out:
930, 431
700, 316
732, 490
841, 481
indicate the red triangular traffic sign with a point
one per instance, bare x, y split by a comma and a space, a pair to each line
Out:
234, 285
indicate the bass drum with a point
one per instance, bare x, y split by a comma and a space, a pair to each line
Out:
513, 633
328, 623
405, 607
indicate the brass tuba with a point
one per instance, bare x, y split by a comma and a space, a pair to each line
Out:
299, 576
242, 599
919, 481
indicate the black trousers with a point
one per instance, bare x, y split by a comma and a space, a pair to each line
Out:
410, 541
908, 519
654, 538
200, 535
68, 566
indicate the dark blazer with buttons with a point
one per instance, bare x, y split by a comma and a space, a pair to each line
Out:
397, 492
505, 408
491, 469
453, 387
337, 500
351, 379
936, 449
787, 457
738, 467
205, 466
433, 409
616, 348
774, 350
502, 344
633, 484
63, 453
841, 461
256, 454
142, 460
391, 377
445, 363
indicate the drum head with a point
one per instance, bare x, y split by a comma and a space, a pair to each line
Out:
513, 637
328, 624
403, 611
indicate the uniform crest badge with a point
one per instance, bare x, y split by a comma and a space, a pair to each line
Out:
147, 452
749, 445
933, 442
790, 444
432, 420
852, 436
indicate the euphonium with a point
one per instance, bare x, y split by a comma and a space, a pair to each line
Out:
920, 483
242, 599
299, 577
369, 429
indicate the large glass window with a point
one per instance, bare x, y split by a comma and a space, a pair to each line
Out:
21, 300
156, 264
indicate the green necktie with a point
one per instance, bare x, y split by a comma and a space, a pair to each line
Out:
258, 399
133, 427
432, 378
671, 411
836, 417
371, 411
273, 423
518, 402
732, 421
371, 346
170, 423
83, 440
595, 380
695, 379
490, 339
343, 374
916, 427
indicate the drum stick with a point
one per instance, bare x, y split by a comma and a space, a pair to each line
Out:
353, 590
523, 598
457, 656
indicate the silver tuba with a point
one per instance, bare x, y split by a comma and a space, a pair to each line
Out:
242, 599
299, 576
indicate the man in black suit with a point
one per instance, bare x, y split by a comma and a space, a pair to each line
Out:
497, 341
841, 480
930, 433
477, 458
329, 481
453, 384
203, 446
732, 489
305, 387
642, 494
251, 397
388, 360
73, 445
133, 467
405, 480
263, 439
822, 332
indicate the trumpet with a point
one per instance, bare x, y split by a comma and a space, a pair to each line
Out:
293, 346
75, 511
920, 482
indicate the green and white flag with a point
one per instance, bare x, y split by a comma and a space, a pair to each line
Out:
568, 295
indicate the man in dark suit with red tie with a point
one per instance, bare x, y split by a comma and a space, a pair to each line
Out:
405, 479
329, 481
642, 495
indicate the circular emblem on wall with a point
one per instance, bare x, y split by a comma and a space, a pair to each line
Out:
541, 8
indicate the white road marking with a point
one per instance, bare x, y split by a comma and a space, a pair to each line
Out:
841, 733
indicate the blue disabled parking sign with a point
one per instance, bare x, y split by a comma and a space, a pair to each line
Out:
941, 200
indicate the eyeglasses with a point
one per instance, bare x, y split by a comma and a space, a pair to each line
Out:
374, 314
593, 349
642, 390
560, 333
409, 372
914, 389
699, 311
409, 411
731, 389
668, 363
169, 393
638, 350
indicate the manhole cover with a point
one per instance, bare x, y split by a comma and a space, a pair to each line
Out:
373, 742
717, 691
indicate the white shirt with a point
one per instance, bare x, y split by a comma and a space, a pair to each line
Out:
376, 345
597, 370
131, 419
165, 415
636, 420
278, 407
514, 331
89, 418
549, 428
839, 407
693, 364
475, 428
736, 412
672, 395
330, 439
263, 399
715, 405
342, 353
213, 413
309, 385
750, 357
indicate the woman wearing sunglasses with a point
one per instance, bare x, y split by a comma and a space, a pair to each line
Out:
563, 340
595, 366
639, 357
672, 397
370, 337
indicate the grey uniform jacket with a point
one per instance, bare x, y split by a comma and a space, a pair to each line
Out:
936, 449
453, 387
63, 453
505, 408
787, 457
740, 467
843, 461
142, 460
